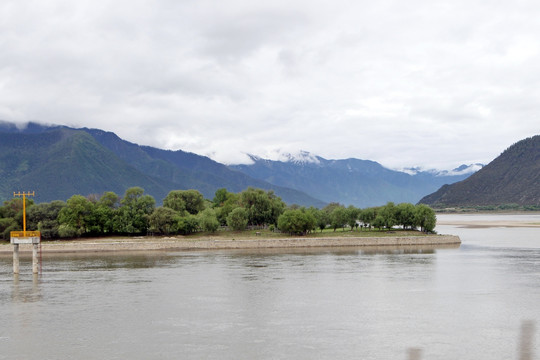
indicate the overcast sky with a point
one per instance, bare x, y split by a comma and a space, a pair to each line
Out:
406, 83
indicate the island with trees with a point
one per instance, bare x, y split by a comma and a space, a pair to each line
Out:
187, 215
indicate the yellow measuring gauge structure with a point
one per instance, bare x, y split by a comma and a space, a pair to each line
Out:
25, 237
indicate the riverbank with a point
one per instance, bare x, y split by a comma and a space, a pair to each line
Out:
183, 244
486, 220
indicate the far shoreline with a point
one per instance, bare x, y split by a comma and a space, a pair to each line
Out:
474, 220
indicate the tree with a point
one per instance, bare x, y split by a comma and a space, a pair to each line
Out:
296, 221
405, 215
14, 209
238, 219
313, 212
367, 216
323, 219
330, 207
352, 216
175, 201
208, 220
110, 200
163, 220
379, 222
44, 217
106, 212
338, 217
7, 225
187, 224
75, 218
263, 208
191, 201
220, 197
425, 218
388, 213
222, 211
133, 215
15, 206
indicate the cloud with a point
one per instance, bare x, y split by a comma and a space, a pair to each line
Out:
424, 83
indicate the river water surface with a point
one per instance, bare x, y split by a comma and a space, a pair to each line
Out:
340, 303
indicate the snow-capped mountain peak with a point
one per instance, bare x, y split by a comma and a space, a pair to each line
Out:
301, 157
460, 170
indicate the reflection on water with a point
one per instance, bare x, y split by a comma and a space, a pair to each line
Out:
25, 291
526, 342
463, 302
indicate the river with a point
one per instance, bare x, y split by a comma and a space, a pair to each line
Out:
465, 302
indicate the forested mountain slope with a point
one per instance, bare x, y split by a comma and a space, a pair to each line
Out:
58, 162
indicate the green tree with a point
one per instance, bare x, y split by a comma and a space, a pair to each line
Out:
352, 214
237, 219
7, 225
296, 221
405, 215
313, 212
75, 216
187, 224
194, 201
163, 220
330, 207
388, 213
13, 208
220, 197
106, 213
44, 217
379, 222
367, 216
208, 220
323, 219
263, 207
134, 212
338, 217
232, 202
191, 201
174, 200
425, 218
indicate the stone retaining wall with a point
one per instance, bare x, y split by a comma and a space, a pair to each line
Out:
173, 244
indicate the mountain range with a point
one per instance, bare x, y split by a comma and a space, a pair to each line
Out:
58, 162
512, 178
358, 182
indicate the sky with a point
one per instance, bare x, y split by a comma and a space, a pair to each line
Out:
426, 83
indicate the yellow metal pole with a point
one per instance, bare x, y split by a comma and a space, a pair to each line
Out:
24, 213
23, 194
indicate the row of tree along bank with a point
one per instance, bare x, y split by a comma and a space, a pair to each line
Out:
186, 212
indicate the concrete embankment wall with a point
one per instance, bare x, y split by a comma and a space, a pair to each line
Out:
175, 244
325, 242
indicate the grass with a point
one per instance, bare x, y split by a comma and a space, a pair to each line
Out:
327, 233
226, 234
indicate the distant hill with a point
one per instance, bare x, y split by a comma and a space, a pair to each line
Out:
356, 182
58, 162
512, 178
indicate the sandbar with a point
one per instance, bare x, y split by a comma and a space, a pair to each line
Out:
475, 223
